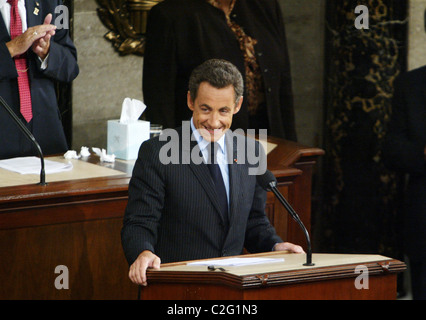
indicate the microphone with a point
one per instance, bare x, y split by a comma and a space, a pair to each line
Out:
29, 135
268, 182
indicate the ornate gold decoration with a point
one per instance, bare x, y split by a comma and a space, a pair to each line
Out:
126, 20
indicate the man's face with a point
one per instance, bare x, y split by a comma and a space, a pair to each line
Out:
213, 110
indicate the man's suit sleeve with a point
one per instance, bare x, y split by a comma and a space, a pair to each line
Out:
7, 65
146, 196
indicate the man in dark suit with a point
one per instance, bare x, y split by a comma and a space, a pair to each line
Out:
174, 212
50, 56
405, 151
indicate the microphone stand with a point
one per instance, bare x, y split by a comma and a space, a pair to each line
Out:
30, 136
295, 216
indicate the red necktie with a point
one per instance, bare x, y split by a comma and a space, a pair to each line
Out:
21, 63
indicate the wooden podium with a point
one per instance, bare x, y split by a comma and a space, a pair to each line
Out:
333, 277
76, 221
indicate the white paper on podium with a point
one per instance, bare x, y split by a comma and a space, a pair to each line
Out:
32, 165
235, 262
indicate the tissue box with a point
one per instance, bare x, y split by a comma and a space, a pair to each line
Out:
124, 140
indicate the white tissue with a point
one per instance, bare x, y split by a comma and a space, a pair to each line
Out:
131, 110
71, 154
103, 155
84, 152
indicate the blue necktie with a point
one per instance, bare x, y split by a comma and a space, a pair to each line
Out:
218, 180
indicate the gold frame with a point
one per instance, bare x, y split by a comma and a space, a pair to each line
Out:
126, 20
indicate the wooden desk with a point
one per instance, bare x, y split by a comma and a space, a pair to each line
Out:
332, 278
77, 223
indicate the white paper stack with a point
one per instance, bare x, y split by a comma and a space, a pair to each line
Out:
32, 165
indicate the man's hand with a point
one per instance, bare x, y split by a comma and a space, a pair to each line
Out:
31, 38
287, 246
145, 260
41, 46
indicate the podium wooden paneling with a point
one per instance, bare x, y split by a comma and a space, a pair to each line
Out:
77, 223
333, 277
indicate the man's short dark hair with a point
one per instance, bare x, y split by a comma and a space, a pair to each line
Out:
219, 74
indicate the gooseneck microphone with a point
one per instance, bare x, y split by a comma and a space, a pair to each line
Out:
30, 136
268, 182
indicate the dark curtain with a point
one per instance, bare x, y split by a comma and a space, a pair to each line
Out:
360, 201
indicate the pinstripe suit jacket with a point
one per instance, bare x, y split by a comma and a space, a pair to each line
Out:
173, 210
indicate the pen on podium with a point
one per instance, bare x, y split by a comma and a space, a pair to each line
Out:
213, 268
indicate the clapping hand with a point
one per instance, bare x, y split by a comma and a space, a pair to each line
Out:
37, 37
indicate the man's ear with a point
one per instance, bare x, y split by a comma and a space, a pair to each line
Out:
189, 101
238, 105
